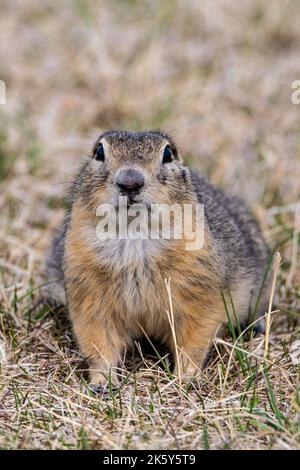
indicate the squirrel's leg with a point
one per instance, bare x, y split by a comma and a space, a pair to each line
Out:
195, 334
90, 308
101, 345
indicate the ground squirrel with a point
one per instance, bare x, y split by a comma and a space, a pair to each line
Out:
115, 288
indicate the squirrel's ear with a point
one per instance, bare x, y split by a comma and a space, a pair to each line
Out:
179, 157
94, 148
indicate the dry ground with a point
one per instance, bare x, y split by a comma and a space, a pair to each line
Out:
217, 74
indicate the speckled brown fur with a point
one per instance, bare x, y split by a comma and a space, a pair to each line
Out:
116, 290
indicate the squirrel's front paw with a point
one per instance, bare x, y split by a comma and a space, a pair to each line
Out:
103, 391
104, 385
187, 372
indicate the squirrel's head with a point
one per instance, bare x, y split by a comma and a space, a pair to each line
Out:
144, 166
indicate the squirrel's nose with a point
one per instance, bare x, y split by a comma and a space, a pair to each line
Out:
130, 180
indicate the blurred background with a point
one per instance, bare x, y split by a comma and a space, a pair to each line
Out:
215, 74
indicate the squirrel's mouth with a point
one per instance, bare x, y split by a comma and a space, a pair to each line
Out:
131, 202
128, 199
132, 198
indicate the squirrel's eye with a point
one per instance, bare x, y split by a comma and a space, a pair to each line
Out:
100, 155
167, 156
